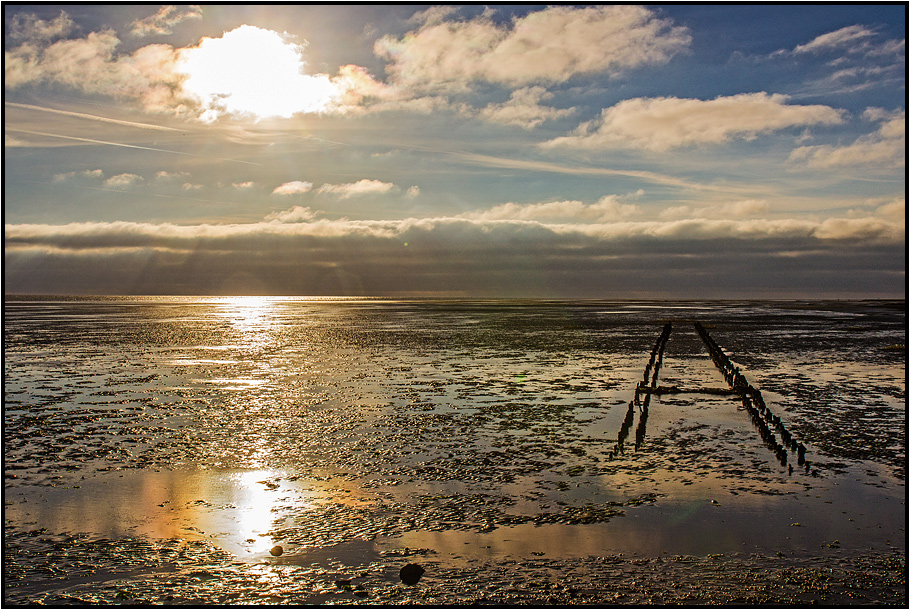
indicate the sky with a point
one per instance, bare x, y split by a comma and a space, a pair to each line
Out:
570, 151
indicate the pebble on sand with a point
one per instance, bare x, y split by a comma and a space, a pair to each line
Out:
411, 573
276, 551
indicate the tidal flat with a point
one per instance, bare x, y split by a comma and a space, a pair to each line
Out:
160, 450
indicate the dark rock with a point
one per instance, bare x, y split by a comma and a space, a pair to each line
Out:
276, 551
411, 573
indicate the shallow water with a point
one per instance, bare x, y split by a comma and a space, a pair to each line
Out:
177, 440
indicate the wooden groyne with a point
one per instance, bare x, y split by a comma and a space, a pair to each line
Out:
646, 386
769, 426
754, 403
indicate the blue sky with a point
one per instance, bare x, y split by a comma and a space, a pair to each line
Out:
703, 151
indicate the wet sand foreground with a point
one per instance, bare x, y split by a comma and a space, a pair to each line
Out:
298, 451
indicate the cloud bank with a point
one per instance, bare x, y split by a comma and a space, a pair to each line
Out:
566, 248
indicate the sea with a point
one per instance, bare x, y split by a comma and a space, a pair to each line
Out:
266, 450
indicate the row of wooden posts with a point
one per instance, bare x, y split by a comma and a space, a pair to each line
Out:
752, 400
751, 397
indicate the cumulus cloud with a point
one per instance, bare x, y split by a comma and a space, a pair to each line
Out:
663, 123
235, 74
745, 208
524, 109
295, 214
91, 64
413, 191
356, 189
94, 174
26, 26
547, 46
122, 181
166, 176
886, 147
609, 208
166, 18
295, 187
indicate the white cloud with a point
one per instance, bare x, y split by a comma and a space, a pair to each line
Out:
123, 181
166, 18
95, 174
170, 176
294, 214
747, 208
524, 109
547, 46
244, 186
236, 74
413, 191
188, 186
299, 222
295, 187
846, 36
664, 123
91, 64
356, 189
886, 147
608, 208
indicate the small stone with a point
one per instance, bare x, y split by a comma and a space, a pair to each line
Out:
411, 573
276, 551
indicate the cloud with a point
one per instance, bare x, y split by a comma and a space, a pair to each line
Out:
746, 208
95, 174
122, 181
356, 189
413, 191
295, 187
846, 36
166, 18
495, 228
663, 123
236, 74
608, 208
170, 176
244, 186
292, 253
886, 147
27, 26
524, 109
90, 64
295, 214
547, 46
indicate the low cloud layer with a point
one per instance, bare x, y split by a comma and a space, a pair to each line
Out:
506, 251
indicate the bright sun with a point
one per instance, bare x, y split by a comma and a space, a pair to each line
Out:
253, 71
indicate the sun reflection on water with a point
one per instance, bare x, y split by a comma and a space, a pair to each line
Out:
256, 499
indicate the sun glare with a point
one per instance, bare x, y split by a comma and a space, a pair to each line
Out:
253, 71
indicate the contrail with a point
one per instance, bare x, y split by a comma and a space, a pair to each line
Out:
546, 166
92, 117
91, 141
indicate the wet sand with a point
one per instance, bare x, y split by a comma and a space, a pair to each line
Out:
476, 446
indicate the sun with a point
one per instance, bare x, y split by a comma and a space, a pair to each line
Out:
255, 72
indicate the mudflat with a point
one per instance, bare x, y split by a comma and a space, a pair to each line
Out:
158, 450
